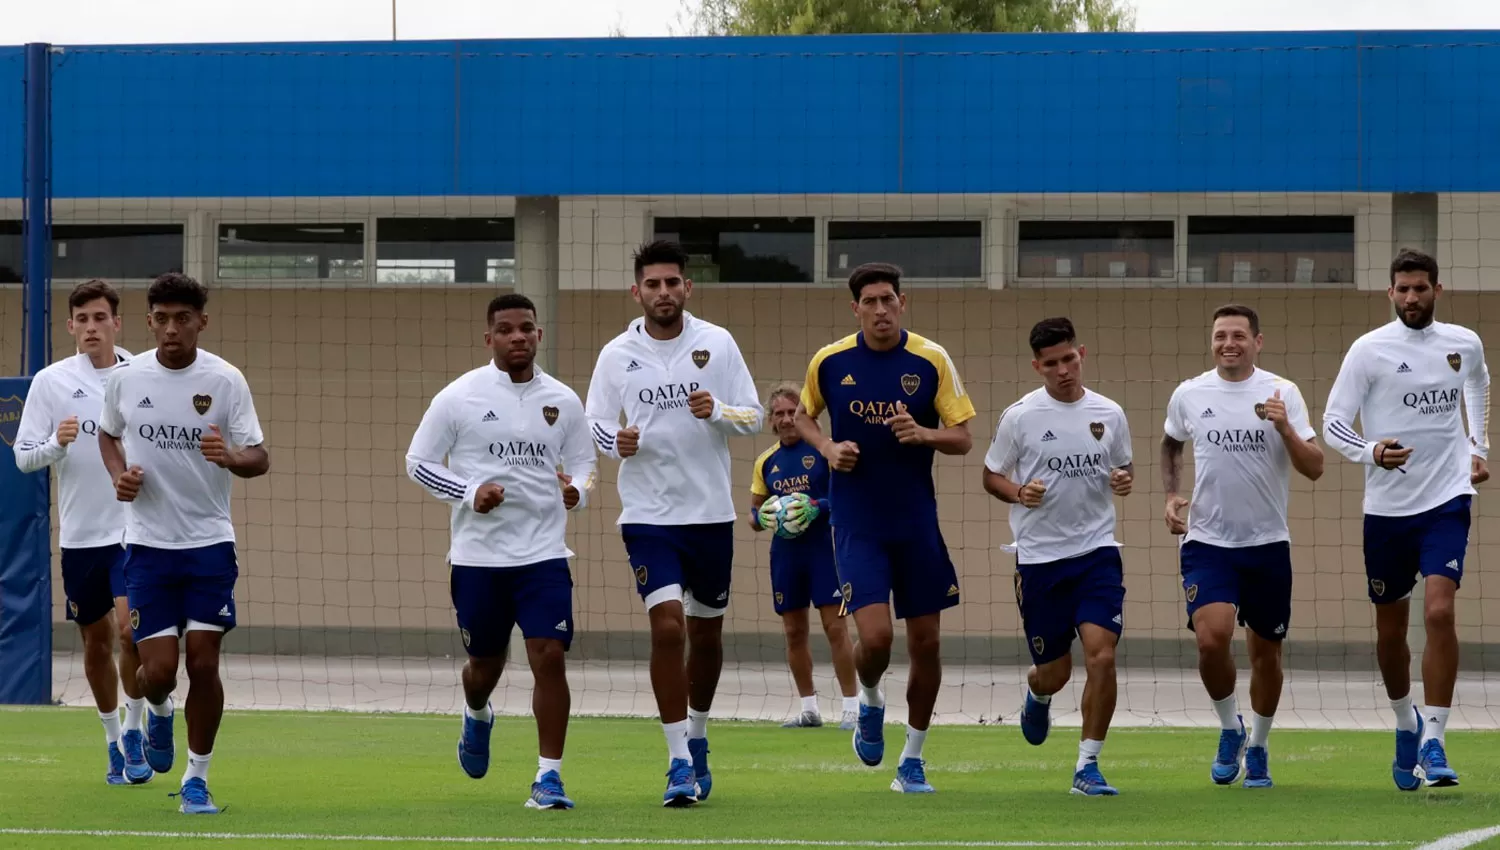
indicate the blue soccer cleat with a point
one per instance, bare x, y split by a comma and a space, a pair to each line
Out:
116, 774
1257, 768
548, 793
698, 749
1091, 783
160, 751
869, 734
137, 771
682, 787
474, 746
195, 798
1403, 769
911, 778
1036, 720
1433, 767
1232, 745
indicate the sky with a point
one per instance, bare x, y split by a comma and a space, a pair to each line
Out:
178, 21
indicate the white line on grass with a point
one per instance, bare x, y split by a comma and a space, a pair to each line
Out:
1460, 840
699, 842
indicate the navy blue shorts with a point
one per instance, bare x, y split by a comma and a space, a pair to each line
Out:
914, 570
1399, 548
1057, 597
168, 587
697, 558
92, 578
803, 572
1256, 580
490, 601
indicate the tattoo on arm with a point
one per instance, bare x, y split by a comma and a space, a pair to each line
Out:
1171, 465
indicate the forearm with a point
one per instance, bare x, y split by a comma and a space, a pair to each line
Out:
249, 462
756, 500
36, 456
1002, 488
1306, 456
439, 481
810, 432
1477, 406
737, 420
954, 440
604, 431
1171, 466
113, 454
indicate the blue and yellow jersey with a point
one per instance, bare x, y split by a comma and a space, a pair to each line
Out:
797, 468
891, 485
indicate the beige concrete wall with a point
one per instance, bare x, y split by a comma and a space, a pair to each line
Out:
336, 536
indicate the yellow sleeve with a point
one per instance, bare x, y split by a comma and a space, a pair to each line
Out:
954, 406
757, 476
812, 392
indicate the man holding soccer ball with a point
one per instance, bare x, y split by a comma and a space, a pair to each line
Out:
789, 496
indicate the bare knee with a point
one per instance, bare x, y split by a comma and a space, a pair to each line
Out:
202, 667
98, 639
126, 636
1099, 660
1213, 643
836, 629
1439, 616
924, 646
1049, 678
547, 658
1267, 662
796, 632
668, 634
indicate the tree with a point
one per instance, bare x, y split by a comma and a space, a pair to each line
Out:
845, 17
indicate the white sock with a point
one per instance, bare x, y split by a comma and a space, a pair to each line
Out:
545, 765
1406, 714
163, 710
871, 696
197, 767
810, 704
851, 705
697, 724
1044, 700
1228, 709
111, 721
483, 715
135, 711
1260, 729
914, 740
1437, 723
1088, 753
677, 739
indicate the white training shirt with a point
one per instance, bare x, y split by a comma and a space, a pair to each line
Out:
493, 430
1242, 471
86, 505
680, 475
1071, 447
1405, 384
162, 415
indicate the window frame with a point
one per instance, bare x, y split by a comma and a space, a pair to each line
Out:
831, 277
374, 275
1019, 282
183, 221
365, 281
1185, 252
818, 236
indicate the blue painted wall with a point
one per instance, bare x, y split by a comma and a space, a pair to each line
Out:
12, 120
989, 113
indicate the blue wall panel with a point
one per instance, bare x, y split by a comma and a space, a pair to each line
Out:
985, 113
12, 120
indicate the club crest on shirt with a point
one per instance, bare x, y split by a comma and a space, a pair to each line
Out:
808, 461
550, 413
1260, 409
910, 383
10, 418
700, 358
1097, 429
1455, 360
202, 403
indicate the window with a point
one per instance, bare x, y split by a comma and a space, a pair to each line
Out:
1271, 249
292, 251
445, 250
110, 251
925, 250
743, 250
1095, 249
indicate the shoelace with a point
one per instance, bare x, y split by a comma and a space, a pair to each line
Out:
551, 785
194, 793
1255, 761
916, 773
680, 774
1229, 746
1436, 757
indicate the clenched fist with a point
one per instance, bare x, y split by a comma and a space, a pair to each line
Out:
841, 456
1175, 516
128, 484
214, 449
628, 441
67, 431
570, 493
488, 497
1031, 493
701, 403
1120, 481
906, 429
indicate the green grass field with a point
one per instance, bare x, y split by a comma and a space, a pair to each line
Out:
298, 780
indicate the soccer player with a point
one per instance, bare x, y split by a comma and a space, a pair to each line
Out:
1059, 457
177, 423
1404, 380
893, 400
60, 427
684, 389
505, 428
802, 568
1249, 430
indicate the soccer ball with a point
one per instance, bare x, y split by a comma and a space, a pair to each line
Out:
788, 516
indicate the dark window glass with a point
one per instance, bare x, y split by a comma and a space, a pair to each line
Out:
292, 251
923, 249
1095, 249
1271, 249
109, 251
445, 250
743, 250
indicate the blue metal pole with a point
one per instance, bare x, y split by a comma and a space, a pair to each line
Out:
38, 206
